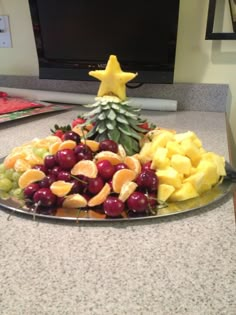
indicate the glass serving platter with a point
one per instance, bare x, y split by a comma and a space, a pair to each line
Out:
209, 198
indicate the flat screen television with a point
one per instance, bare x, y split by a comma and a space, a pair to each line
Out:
75, 36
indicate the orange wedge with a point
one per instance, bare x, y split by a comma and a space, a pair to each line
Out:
11, 159
112, 157
133, 163
54, 147
121, 177
85, 167
74, 201
21, 165
100, 197
126, 190
121, 151
92, 144
61, 188
67, 144
79, 131
30, 176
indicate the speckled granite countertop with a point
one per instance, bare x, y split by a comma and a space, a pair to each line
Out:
184, 264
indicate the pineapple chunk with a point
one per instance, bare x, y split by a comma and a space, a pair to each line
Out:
174, 148
186, 191
218, 160
161, 140
160, 159
145, 153
197, 180
179, 137
191, 150
181, 163
209, 169
169, 176
164, 191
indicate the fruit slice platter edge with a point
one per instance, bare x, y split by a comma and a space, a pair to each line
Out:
207, 199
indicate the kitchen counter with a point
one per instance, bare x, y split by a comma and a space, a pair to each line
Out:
183, 264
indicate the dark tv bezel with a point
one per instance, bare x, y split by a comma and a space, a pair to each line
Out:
78, 71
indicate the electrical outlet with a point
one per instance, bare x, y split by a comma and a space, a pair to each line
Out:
5, 35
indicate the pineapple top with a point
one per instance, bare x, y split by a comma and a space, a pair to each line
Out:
113, 79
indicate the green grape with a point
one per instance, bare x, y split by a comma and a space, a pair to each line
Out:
2, 168
45, 154
5, 184
39, 151
17, 193
14, 185
4, 195
9, 172
16, 176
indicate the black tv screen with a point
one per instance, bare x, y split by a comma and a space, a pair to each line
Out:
75, 36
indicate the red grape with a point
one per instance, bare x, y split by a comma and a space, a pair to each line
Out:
113, 206
105, 169
137, 202
66, 159
108, 145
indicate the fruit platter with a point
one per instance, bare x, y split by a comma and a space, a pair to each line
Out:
111, 164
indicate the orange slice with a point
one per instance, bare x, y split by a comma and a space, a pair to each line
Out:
121, 151
54, 147
133, 164
11, 159
112, 157
100, 197
30, 176
126, 190
21, 165
92, 144
121, 177
74, 201
67, 144
85, 167
79, 131
61, 188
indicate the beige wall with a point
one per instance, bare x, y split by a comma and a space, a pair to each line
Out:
197, 60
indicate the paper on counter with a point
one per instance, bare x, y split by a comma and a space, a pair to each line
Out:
83, 99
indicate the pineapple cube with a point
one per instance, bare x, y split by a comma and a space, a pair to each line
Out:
186, 191
197, 180
179, 137
181, 163
164, 191
209, 169
174, 148
161, 140
169, 176
145, 153
218, 160
160, 159
191, 150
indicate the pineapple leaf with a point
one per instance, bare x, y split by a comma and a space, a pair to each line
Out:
115, 106
114, 135
134, 125
92, 105
111, 114
102, 116
131, 115
111, 124
129, 131
101, 127
127, 144
95, 111
121, 119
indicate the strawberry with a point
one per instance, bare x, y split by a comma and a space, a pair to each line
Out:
78, 121
145, 125
58, 133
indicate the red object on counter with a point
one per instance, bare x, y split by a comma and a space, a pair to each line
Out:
13, 104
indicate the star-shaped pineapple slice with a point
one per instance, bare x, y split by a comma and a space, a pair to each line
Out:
113, 79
